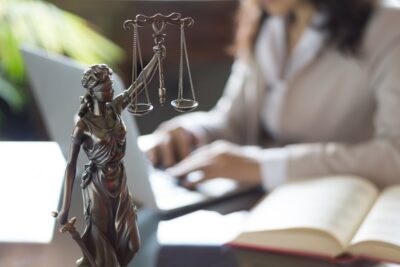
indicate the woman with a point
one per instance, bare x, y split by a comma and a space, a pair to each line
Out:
111, 233
315, 85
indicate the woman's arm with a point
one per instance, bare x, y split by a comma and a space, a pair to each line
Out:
377, 159
70, 171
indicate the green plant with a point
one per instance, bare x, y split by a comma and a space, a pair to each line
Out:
44, 25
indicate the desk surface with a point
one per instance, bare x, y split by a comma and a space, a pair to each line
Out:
62, 251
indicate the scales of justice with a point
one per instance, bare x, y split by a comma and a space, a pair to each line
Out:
111, 236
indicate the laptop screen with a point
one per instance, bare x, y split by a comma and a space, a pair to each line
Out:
30, 187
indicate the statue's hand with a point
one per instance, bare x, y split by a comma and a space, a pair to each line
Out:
160, 51
62, 217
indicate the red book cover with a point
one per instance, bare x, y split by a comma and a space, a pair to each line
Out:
345, 258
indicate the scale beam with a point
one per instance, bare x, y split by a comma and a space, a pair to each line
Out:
158, 21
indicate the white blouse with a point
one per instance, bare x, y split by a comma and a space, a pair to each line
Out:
278, 68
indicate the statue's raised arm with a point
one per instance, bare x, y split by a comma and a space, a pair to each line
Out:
147, 74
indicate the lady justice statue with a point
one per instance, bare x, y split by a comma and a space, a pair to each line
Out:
111, 237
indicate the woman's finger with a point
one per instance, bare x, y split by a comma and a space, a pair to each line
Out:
182, 142
188, 165
152, 156
193, 183
166, 153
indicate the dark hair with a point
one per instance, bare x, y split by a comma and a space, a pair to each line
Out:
345, 23
93, 76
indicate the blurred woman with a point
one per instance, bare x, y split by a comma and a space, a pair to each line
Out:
314, 90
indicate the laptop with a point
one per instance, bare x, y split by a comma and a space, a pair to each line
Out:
56, 86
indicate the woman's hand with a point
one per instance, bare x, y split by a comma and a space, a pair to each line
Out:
171, 145
219, 159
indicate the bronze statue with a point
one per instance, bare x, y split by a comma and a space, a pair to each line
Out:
111, 236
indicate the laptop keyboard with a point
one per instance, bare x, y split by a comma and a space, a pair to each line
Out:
169, 195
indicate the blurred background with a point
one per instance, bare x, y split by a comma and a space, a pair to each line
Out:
91, 32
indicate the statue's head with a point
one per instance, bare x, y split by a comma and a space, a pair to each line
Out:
98, 82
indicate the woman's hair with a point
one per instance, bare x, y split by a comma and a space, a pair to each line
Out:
93, 76
345, 23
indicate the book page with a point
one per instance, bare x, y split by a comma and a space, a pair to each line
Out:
383, 221
336, 205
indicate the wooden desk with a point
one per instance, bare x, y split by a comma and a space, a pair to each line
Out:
265, 259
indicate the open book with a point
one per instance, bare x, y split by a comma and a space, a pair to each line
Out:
327, 217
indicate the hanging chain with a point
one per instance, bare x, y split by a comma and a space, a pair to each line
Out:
187, 64
180, 88
134, 71
134, 61
137, 53
141, 66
